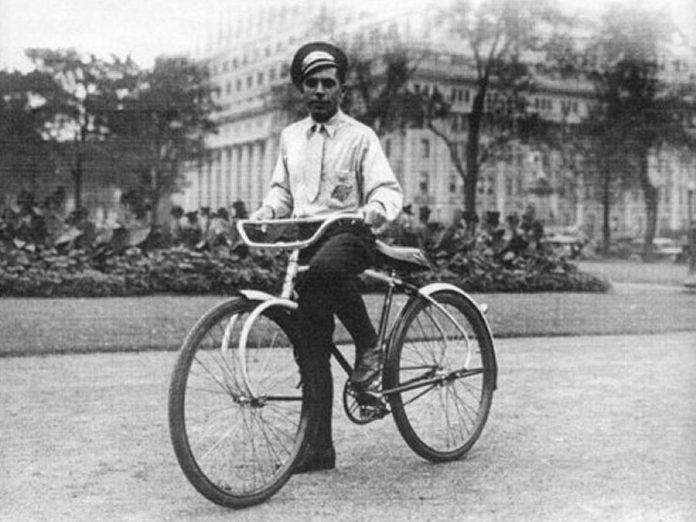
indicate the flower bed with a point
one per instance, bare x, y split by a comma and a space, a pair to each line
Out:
81, 273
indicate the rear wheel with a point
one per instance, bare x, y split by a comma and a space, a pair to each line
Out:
237, 441
442, 367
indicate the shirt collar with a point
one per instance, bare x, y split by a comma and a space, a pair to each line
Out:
331, 126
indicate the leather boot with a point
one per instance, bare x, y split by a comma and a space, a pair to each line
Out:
368, 363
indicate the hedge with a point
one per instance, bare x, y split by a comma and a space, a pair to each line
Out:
80, 273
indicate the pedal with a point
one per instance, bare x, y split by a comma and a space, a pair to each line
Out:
373, 411
363, 406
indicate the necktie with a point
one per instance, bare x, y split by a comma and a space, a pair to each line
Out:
313, 161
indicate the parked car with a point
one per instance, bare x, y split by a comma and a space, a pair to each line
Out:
569, 241
668, 248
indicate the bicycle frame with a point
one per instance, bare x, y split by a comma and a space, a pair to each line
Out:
285, 300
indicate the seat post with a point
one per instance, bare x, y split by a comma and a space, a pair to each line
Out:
386, 307
290, 273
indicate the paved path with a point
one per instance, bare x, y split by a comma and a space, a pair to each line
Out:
582, 428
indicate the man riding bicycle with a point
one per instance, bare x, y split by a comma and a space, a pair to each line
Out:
330, 163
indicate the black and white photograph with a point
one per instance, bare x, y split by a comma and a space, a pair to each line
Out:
347, 260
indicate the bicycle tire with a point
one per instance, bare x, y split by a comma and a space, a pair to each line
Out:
445, 412
217, 429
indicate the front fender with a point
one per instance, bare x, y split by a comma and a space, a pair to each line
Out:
258, 295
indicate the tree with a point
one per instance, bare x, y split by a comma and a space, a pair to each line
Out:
640, 112
84, 94
161, 127
497, 36
23, 152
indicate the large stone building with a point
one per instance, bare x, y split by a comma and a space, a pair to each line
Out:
248, 57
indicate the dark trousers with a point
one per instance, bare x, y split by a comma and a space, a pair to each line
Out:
330, 288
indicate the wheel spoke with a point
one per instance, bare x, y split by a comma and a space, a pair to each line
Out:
440, 412
237, 449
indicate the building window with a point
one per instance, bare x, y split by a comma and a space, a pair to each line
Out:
387, 147
423, 184
416, 88
228, 88
453, 184
259, 79
271, 74
425, 148
250, 81
238, 85
466, 96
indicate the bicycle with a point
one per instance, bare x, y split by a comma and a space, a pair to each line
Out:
241, 406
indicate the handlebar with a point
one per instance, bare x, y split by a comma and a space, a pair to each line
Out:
325, 221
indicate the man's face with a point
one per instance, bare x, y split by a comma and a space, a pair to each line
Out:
322, 93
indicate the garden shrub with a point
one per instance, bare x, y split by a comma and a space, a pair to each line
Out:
45, 272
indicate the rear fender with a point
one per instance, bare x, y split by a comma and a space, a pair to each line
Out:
428, 290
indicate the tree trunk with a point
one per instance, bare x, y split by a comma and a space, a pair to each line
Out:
606, 207
154, 197
472, 157
77, 175
651, 202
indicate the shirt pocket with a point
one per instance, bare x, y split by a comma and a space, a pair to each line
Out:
342, 190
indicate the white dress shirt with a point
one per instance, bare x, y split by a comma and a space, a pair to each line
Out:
355, 173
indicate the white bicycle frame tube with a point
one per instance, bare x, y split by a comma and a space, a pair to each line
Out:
267, 301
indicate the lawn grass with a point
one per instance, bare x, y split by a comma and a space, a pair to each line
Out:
622, 271
35, 326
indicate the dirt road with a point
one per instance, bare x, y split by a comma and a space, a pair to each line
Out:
582, 428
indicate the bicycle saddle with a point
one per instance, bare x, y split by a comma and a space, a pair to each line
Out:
408, 259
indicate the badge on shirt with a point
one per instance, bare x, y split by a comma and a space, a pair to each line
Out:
343, 184
341, 192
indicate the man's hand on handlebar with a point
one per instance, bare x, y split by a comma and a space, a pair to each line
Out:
374, 216
262, 214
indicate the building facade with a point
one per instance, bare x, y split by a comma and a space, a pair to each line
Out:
249, 57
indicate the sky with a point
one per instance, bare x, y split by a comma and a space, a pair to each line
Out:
147, 28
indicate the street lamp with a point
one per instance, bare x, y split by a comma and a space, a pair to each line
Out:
690, 281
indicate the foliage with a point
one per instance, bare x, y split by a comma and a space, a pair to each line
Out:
94, 271
161, 126
22, 117
499, 35
78, 103
46, 272
639, 113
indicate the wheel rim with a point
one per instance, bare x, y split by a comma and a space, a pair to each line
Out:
241, 444
444, 364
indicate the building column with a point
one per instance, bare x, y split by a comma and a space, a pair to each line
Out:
580, 198
253, 174
268, 164
500, 194
216, 181
244, 174
234, 175
227, 174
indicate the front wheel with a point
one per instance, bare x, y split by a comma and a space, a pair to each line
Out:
238, 449
440, 375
